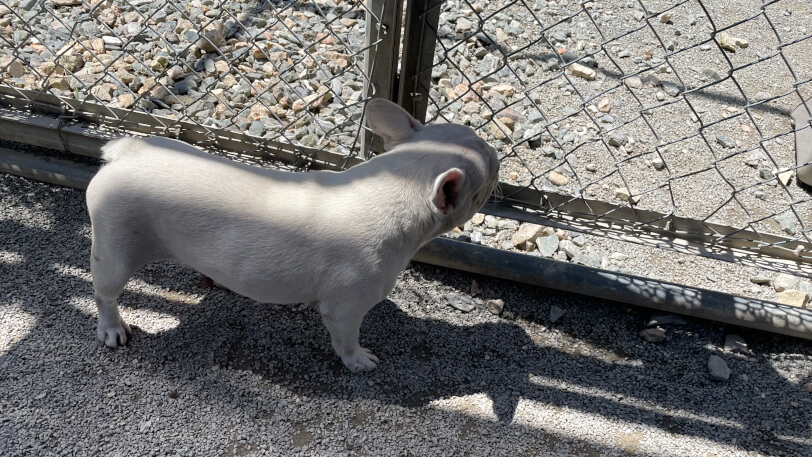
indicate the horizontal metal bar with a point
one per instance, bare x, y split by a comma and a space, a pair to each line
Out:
120, 120
660, 239
627, 289
45, 131
599, 212
46, 169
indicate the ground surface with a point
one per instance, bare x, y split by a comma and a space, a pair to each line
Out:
212, 373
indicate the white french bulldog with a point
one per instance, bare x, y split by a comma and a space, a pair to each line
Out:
338, 239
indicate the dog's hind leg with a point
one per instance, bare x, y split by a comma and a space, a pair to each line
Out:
111, 267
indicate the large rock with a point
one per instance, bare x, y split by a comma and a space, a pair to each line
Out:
793, 297
495, 306
547, 245
214, 39
785, 281
569, 248
527, 233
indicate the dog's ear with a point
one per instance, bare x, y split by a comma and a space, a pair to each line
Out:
447, 191
390, 122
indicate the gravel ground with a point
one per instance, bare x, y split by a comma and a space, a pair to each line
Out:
212, 373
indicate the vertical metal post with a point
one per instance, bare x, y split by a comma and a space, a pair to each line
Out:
419, 40
383, 23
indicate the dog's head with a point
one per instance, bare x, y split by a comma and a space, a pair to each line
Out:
464, 168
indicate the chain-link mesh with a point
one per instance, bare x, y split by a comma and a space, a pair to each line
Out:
285, 71
662, 109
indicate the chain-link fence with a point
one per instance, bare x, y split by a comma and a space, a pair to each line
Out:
671, 116
284, 73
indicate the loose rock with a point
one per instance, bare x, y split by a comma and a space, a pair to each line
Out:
668, 319
718, 369
653, 335
582, 71
495, 306
547, 245
793, 297
460, 302
634, 82
474, 288
730, 43
526, 233
569, 248
618, 139
558, 179
785, 176
725, 142
762, 280
556, 313
735, 343
670, 88
785, 281
787, 222
621, 193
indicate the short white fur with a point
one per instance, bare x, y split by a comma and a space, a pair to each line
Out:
338, 239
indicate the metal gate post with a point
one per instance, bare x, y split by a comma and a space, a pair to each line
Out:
383, 22
419, 40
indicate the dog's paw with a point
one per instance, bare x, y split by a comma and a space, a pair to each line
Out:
361, 360
114, 334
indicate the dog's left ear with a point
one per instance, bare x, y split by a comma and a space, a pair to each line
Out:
447, 191
390, 122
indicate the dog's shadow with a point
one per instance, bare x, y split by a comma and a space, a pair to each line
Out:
422, 359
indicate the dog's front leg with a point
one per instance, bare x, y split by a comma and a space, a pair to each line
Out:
343, 321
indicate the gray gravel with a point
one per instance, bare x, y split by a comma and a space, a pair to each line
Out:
212, 373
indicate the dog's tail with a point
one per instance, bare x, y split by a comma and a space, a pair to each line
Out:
118, 148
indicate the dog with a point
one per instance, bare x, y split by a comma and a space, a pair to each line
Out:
336, 239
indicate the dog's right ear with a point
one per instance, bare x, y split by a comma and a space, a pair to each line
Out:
390, 122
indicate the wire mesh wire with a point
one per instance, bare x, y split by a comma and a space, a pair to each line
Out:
667, 108
285, 71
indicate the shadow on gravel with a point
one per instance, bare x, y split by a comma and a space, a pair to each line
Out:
592, 360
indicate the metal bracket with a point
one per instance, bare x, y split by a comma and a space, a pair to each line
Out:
68, 114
